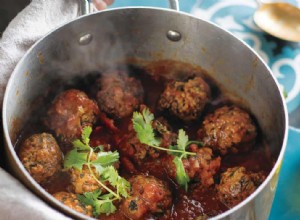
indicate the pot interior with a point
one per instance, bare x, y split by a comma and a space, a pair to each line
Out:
106, 39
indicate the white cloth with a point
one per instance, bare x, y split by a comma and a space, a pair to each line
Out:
17, 202
35, 21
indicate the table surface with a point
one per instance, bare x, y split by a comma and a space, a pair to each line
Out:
284, 60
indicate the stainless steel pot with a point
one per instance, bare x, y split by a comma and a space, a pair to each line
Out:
103, 39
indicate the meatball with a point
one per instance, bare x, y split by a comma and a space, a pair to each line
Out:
201, 167
185, 100
119, 94
148, 195
131, 147
83, 180
41, 156
228, 129
71, 200
70, 112
236, 184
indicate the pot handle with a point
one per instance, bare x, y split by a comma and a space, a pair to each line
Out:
174, 4
87, 7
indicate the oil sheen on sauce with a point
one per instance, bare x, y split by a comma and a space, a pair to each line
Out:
197, 202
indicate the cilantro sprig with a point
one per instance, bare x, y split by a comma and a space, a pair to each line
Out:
182, 143
102, 162
142, 124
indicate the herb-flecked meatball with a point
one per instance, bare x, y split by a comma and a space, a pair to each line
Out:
228, 129
71, 200
148, 195
237, 184
185, 100
70, 112
41, 156
201, 167
83, 180
119, 94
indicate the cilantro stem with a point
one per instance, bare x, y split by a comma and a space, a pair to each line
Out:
94, 176
182, 155
172, 150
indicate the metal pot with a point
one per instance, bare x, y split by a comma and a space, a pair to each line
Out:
103, 39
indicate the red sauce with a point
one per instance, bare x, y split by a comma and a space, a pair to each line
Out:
198, 201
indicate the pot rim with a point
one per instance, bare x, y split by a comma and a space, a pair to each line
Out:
49, 199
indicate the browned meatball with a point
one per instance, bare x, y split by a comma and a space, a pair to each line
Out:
148, 195
131, 147
119, 94
41, 156
71, 200
237, 184
201, 167
228, 129
185, 100
83, 180
70, 112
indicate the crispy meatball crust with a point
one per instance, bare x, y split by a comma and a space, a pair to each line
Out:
71, 200
148, 195
228, 129
119, 94
185, 100
82, 180
41, 156
201, 167
70, 112
237, 184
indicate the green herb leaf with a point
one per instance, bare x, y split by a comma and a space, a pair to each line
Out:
182, 140
80, 146
182, 144
75, 159
89, 198
84, 154
101, 204
99, 148
148, 116
111, 175
123, 187
142, 124
83, 144
105, 159
86, 133
107, 207
181, 176
107, 196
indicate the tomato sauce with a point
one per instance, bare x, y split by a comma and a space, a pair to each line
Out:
197, 201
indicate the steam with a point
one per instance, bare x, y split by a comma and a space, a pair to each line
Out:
103, 50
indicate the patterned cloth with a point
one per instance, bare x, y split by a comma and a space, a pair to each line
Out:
284, 60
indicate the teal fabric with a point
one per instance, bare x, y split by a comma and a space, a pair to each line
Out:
185, 5
284, 60
286, 204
